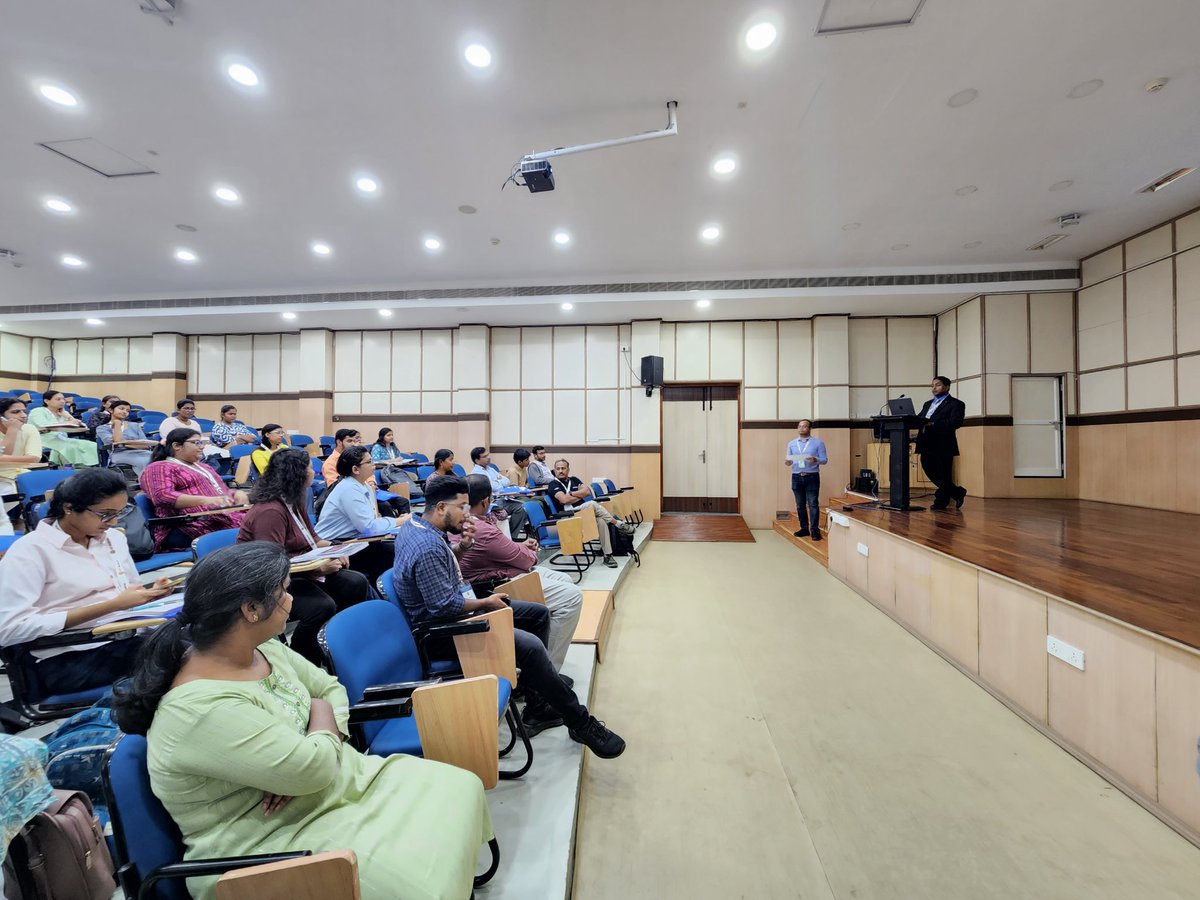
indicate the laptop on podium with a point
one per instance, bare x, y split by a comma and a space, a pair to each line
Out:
901, 406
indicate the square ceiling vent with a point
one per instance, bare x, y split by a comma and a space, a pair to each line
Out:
100, 158
844, 16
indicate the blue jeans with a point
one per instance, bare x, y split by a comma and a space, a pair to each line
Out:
807, 491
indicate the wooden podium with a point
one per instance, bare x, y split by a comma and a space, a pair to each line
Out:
896, 429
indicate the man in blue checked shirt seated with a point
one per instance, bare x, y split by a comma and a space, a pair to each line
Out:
512, 506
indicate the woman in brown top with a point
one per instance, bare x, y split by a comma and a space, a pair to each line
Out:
279, 516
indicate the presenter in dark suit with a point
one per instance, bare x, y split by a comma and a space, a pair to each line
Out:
938, 444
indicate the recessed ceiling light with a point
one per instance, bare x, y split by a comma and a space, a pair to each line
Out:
184, 255
288, 315
1166, 181
95, 321
243, 75
724, 165
467, 210
962, 98
710, 233
971, 245
72, 262
899, 246
478, 55
366, 184
760, 36
226, 194
1085, 89
432, 244
321, 248
965, 190
703, 304
562, 238
851, 226
59, 95
567, 307
1046, 242
59, 205
386, 313
1061, 185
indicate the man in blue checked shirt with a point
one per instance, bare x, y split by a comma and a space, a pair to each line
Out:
513, 506
806, 454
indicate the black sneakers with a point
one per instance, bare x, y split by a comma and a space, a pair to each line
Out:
803, 532
538, 719
593, 735
627, 528
610, 562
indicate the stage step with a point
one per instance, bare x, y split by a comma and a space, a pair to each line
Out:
818, 550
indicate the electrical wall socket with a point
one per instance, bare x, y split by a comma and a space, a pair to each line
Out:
1072, 656
864, 550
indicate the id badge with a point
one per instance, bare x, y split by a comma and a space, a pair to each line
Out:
468, 592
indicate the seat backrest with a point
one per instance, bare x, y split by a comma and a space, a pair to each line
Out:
419, 457
237, 451
214, 541
145, 835
608, 483
493, 467
537, 518
554, 505
301, 440
459, 470
146, 506
598, 489
35, 484
424, 472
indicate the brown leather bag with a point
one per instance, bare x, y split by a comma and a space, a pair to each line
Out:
60, 855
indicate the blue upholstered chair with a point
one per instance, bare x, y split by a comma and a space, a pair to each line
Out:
213, 541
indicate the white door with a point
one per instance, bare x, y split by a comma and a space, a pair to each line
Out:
684, 457
700, 448
1037, 426
721, 453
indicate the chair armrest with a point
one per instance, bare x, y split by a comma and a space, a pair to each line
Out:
217, 866
400, 690
374, 710
54, 641
603, 498
456, 628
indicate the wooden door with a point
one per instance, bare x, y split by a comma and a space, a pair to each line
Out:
700, 448
1037, 426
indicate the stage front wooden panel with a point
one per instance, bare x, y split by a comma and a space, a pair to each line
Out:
986, 587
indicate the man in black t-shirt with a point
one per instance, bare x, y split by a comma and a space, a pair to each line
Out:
570, 493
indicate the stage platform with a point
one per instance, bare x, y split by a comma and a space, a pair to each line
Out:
1081, 617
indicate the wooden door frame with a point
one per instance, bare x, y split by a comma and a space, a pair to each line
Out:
662, 456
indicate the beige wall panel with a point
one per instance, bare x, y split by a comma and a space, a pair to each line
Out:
831, 349
537, 418
471, 361
1052, 332
602, 424
265, 369
645, 340
376, 361
1187, 300
317, 357
1177, 695
954, 609
760, 457
624, 418
471, 401
1108, 709
375, 403
1151, 385
1149, 296
506, 417
210, 364
437, 361
856, 564
831, 403
795, 403
970, 392
1187, 231
90, 359
910, 350
570, 409
506, 358
435, 403
39, 350
795, 352
537, 360
239, 364
1101, 266
603, 357
691, 351
1189, 380
406, 361
66, 359
289, 363
347, 403
762, 354
839, 540
999, 395
881, 568
407, 403
760, 405
1157, 450
666, 349
347, 360
141, 356
1006, 332
970, 338
571, 357
866, 402
645, 417
16, 354
725, 351
625, 376
1148, 247
837, 446
1012, 642
868, 351
193, 365
1101, 326
947, 345
116, 356
645, 473
913, 570
1102, 391
1102, 451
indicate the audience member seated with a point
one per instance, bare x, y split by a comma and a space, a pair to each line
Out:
342, 438
443, 464
126, 442
494, 557
513, 508
185, 417
73, 570
20, 447
100, 415
178, 483
274, 439
430, 585
540, 474
247, 746
386, 454
519, 473
228, 432
64, 449
349, 511
571, 493
278, 515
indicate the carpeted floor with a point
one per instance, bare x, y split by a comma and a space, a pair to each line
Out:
686, 527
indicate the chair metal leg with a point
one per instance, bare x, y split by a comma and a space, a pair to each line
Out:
512, 735
481, 880
514, 721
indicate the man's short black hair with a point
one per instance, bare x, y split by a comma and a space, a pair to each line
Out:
946, 382
477, 452
537, 448
479, 488
444, 489
520, 455
342, 433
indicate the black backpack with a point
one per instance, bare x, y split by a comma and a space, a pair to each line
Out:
622, 544
137, 532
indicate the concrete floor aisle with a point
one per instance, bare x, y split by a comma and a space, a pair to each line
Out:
786, 739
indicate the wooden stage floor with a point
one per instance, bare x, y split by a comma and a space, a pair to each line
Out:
1140, 566
688, 527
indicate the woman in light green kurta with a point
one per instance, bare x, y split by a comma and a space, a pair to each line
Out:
246, 749
64, 450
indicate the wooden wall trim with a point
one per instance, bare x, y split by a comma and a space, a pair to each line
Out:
1134, 417
560, 449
